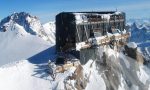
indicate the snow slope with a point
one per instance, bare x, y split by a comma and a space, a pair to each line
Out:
15, 46
31, 24
23, 75
49, 28
22, 36
120, 73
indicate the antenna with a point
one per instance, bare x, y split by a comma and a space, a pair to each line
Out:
116, 9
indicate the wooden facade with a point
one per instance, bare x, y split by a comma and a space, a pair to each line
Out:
92, 24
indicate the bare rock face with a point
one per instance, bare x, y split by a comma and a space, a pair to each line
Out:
132, 51
80, 80
139, 58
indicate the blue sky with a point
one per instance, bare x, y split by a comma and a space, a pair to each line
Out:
47, 9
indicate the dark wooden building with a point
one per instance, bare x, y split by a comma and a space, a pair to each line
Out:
74, 27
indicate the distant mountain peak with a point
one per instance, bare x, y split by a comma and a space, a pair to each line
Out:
27, 24
31, 24
21, 14
23, 19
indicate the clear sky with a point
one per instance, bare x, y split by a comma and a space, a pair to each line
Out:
47, 9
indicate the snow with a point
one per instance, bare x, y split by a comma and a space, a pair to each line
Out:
130, 69
125, 61
106, 16
147, 49
121, 87
80, 18
17, 74
79, 45
31, 24
19, 29
118, 12
140, 34
124, 31
143, 74
28, 19
59, 83
132, 45
20, 41
23, 76
96, 82
50, 28
134, 87
15, 46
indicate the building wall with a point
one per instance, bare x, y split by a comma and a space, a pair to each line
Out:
69, 32
65, 31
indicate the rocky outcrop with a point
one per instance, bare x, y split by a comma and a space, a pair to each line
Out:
132, 51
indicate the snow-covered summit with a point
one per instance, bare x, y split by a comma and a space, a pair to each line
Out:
23, 36
22, 18
31, 24
140, 32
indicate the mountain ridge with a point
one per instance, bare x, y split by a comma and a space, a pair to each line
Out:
31, 24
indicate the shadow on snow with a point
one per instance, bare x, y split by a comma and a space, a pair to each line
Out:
42, 71
40, 60
44, 56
